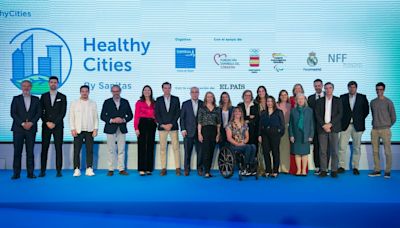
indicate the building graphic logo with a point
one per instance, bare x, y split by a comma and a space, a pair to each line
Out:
23, 59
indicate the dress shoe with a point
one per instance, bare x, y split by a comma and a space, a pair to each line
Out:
200, 172
186, 173
356, 172
42, 174
341, 170
59, 174
110, 173
123, 173
323, 174
178, 171
163, 172
334, 174
15, 177
32, 176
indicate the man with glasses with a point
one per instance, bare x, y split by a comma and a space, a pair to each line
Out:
116, 112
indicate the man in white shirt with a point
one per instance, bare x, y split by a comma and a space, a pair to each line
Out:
328, 112
84, 123
188, 124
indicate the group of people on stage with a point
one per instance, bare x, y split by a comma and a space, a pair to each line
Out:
278, 133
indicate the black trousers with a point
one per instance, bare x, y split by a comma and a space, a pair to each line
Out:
209, 133
78, 141
21, 138
146, 142
271, 139
58, 135
188, 144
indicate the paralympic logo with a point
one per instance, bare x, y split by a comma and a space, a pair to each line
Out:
40, 53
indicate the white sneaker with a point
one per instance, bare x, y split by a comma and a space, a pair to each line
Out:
89, 172
77, 172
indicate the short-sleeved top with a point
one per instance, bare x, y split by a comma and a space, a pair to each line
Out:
206, 117
238, 133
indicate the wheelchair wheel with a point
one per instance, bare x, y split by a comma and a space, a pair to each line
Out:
226, 162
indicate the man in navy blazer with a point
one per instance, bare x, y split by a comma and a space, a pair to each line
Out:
25, 112
355, 111
188, 123
116, 112
328, 113
167, 111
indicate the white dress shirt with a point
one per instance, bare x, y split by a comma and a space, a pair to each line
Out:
328, 109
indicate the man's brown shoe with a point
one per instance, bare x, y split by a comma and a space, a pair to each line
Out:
200, 172
110, 173
123, 172
163, 172
186, 173
178, 171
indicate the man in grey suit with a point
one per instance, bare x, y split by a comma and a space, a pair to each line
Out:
188, 122
328, 112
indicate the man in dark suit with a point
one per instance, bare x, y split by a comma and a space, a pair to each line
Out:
54, 107
167, 111
328, 112
188, 123
25, 112
312, 100
355, 111
116, 112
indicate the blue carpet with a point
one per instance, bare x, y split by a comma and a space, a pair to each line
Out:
288, 201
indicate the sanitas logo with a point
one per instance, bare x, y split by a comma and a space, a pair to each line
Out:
40, 53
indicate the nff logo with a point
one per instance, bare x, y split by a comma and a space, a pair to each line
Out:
185, 58
336, 58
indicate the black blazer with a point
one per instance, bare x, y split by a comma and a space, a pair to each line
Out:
336, 114
55, 113
20, 115
359, 113
171, 117
188, 121
253, 123
110, 111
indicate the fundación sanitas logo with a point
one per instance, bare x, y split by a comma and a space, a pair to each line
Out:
39, 53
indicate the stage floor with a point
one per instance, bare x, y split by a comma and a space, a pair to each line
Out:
288, 201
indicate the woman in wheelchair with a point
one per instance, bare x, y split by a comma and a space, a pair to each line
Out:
237, 133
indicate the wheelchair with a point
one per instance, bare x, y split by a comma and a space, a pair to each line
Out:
228, 160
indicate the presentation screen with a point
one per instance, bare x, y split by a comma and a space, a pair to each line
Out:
218, 46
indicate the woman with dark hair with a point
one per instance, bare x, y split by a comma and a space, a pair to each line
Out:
209, 123
225, 104
284, 148
261, 104
271, 129
250, 112
145, 129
